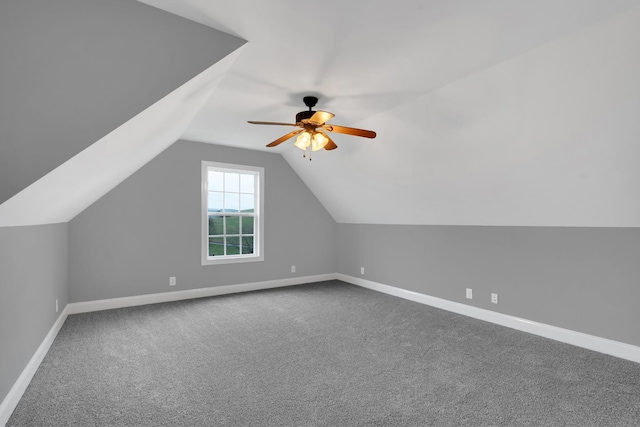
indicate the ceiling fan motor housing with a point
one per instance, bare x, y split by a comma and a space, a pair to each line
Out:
304, 115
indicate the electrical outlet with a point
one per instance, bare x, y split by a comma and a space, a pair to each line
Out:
469, 293
56, 306
494, 298
172, 281
293, 268
361, 270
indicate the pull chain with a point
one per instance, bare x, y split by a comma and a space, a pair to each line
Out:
304, 155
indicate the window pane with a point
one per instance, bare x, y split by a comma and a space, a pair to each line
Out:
215, 181
233, 225
247, 183
231, 202
216, 225
232, 182
247, 203
233, 245
247, 244
216, 246
214, 203
247, 225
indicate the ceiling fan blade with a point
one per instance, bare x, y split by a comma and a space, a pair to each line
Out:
253, 122
330, 145
284, 138
350, 131
320, 117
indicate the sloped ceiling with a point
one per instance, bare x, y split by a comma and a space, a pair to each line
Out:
489, 112
89, 92
73, 186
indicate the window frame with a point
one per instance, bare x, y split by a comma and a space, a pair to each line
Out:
258, 242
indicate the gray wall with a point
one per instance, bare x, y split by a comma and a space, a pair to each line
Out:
74, 70
148, 228
583, 279
33, 274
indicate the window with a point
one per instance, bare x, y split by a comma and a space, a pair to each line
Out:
232, 206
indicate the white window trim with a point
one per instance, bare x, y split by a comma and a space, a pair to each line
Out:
258, 245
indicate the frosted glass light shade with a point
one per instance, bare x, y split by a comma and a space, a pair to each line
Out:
303, 140
318, 142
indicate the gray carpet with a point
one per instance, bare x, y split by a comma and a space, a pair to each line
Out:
324, 354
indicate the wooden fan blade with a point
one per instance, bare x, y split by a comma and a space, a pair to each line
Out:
330, 145
320, 117
350, 131
284, 138
253, 122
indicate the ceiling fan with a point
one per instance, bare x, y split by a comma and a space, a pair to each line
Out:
313, 125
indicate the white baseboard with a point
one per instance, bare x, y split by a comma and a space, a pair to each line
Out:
591, 342
10, 402
108, 304
602, 345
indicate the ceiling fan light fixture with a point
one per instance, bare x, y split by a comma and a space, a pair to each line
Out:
303, 140
319, 141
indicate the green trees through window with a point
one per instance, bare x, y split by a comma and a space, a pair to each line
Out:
239, 235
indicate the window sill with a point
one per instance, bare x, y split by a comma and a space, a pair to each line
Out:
231, 260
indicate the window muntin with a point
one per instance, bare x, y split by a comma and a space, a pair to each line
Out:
232, 213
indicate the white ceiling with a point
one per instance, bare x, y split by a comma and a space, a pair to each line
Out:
493, 112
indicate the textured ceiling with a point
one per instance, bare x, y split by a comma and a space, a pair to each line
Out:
487, 112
